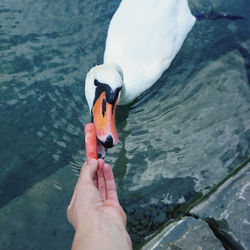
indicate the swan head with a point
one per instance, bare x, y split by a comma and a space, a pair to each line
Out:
103, 85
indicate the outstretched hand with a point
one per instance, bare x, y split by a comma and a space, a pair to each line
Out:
95, 212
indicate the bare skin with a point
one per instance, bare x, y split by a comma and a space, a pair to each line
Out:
95, 212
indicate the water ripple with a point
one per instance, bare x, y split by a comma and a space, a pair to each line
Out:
177, 140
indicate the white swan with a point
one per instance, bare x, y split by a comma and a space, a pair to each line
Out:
143, 38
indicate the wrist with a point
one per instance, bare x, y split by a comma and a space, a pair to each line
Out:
102, 234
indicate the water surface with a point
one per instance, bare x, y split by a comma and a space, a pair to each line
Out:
177, 141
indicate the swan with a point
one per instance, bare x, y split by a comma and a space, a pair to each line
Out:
143, 38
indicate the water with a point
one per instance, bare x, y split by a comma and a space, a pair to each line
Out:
177, 141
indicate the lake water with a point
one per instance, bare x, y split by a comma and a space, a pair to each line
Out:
178, 140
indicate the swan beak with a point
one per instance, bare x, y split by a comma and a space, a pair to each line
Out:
103, 115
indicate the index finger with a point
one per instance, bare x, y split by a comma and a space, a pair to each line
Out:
88, 171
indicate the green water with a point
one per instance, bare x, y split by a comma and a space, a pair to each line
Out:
177, 141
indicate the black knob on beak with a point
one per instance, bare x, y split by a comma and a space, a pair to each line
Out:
109, 142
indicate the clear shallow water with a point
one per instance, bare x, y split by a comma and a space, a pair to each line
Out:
177, 141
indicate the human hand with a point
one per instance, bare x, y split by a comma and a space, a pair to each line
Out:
95, 212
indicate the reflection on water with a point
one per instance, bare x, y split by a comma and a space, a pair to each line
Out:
177, 141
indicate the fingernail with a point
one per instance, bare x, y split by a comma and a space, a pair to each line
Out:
92, 162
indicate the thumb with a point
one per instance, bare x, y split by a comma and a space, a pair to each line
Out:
88, 171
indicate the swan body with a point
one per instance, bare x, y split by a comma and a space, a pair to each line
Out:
143, 38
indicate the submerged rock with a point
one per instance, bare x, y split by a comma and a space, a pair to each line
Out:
228, 211
160, 218
31, 221
188, 233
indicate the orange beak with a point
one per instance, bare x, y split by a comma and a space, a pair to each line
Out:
104, 119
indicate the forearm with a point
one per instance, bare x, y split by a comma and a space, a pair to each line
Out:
106, 235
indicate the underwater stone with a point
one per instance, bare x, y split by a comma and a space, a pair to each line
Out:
139, 227
145, 222
228, 210
135, 222
138, 215
160, 218
23, 218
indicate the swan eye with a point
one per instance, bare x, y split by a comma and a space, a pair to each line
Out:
96, 82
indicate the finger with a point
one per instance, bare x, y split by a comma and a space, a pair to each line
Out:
111, 192
83, 166
95, 180
88, 171
72, 200
101, 180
